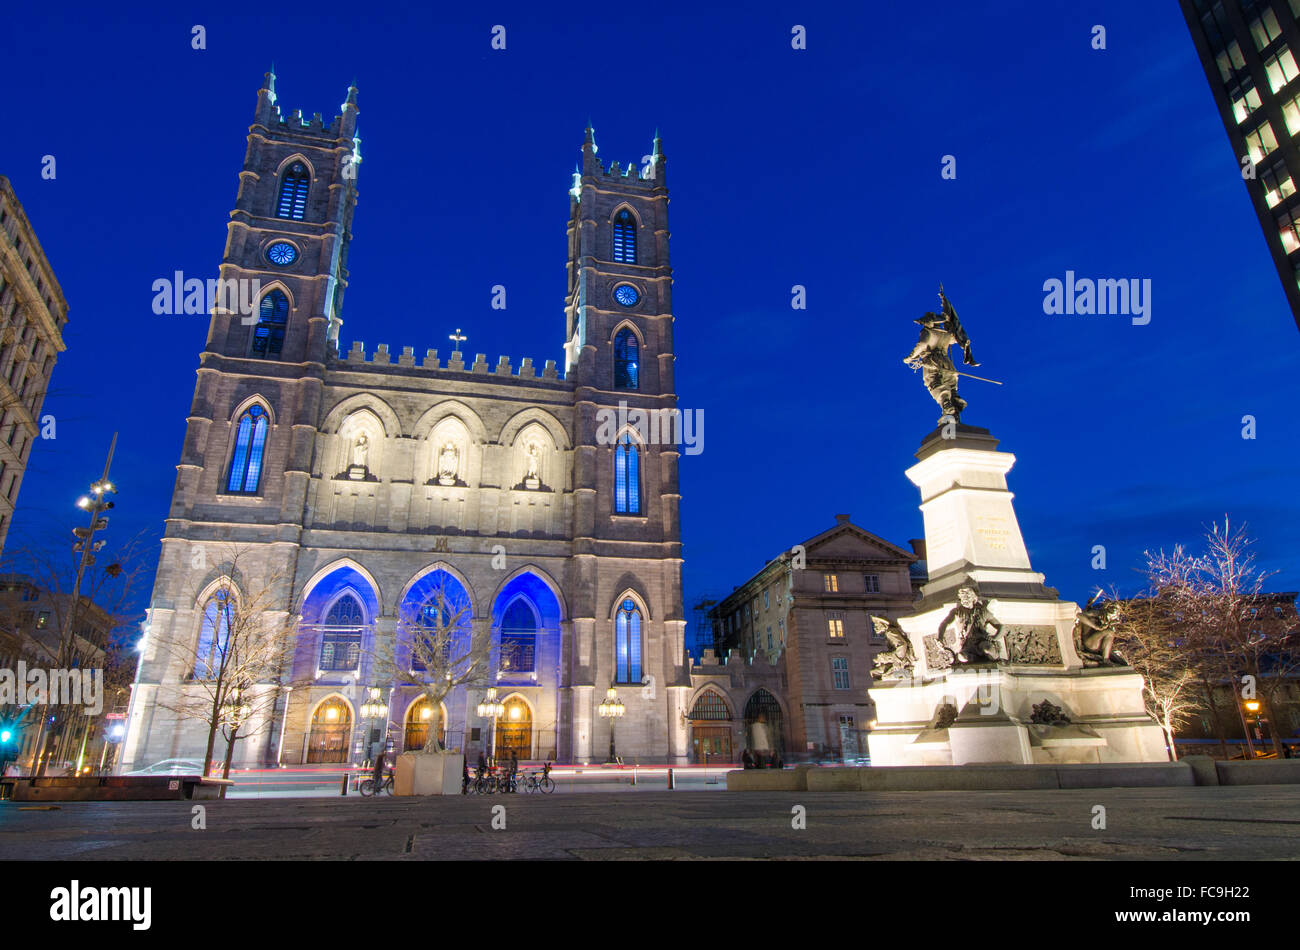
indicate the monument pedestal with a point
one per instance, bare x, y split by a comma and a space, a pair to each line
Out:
952, 713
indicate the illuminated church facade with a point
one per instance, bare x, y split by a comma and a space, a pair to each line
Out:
368, 480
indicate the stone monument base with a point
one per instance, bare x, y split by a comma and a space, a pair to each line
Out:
984, 713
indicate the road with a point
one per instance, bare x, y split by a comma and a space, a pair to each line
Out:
1210, 823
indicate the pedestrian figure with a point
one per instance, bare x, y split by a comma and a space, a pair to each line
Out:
746, 760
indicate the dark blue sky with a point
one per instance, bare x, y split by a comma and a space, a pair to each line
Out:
818, 167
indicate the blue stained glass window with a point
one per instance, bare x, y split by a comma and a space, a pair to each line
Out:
341, 641
518, 638
214, 634
627, 643
293, 192
625, 237
626, 373
627, 477
250, 447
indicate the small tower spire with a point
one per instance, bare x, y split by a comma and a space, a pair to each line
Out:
590, 164
352, 93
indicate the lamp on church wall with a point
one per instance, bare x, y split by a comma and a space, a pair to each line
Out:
490, 710
612, 709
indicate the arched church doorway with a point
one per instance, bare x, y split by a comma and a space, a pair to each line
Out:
515, 730
331, 728
763, 732
710, 729
418, 718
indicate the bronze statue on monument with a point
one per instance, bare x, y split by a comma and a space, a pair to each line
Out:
939, 331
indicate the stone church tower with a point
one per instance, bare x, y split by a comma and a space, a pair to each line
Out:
337, 490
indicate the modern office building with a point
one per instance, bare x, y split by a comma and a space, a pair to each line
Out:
1249, 50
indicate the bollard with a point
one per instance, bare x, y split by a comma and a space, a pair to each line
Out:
672, 779
343, 788
634, 775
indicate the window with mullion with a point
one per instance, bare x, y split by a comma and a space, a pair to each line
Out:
625, 237
627, 643
250, 447
626, 357
293, 193
627, 477
273, 317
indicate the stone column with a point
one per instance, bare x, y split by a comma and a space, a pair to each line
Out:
582, 724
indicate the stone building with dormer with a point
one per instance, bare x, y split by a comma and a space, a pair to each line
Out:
362, 480
794, 647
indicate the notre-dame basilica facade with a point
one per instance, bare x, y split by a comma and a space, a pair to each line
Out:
368, 480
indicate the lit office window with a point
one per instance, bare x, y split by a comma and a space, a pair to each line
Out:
831, 582
1230, 60
1281, 69
1287, 230
835, 626
1244, 102
1277, 183
1265, 30
1260, 142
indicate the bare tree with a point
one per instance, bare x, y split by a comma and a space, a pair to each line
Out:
246, 644
1235, 630
1151, 643
437, 649
81, 629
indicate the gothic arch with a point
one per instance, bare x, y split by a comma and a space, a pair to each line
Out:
533, 415
627, 323
542, 576
625, 206
256, 399
432, 416
362, 402
311, 713
532, 707
454, 574
418, 697
717, 691
631, 588
340, 564
276, 284
295, 157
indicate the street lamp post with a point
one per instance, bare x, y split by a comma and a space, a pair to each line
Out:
612, 709
375, 709
1252, 721
96, 503
490, 709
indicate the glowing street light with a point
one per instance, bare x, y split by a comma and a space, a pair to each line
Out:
612, 709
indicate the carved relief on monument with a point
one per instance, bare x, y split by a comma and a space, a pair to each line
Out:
1036, 645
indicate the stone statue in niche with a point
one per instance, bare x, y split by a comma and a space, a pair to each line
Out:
897, 661
448, 464
359, 456
980, 637
532, 477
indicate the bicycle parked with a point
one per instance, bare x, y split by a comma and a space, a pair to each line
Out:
368, 786
540, 781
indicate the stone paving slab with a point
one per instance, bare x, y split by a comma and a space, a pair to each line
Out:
1203, 823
